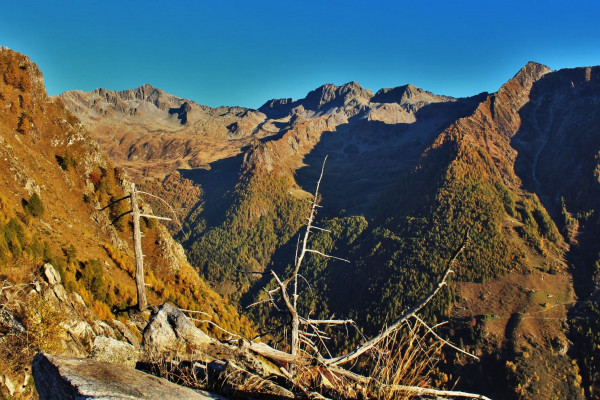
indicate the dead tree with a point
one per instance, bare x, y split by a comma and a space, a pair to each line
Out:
137, 252
142, 303
291, 299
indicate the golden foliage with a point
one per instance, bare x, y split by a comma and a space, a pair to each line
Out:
43, 325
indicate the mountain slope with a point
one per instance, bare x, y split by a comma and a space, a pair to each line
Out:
560, 149
54, 182
365, 129
407, 173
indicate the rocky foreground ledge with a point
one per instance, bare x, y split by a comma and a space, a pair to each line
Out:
77, 378
106, 360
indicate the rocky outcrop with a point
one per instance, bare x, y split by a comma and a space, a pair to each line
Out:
233, 369
33, 84
230, 368
83, 333
114, 351
172, 251
8, 323
168, 338
127, 334
71, 378
79, 334
182, 112
169, 330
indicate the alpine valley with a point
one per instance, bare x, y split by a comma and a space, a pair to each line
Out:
406, 174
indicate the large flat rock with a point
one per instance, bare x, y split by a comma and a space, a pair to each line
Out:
76, 378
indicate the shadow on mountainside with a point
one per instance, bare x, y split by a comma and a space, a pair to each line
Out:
366, 157
216, 182
558, 146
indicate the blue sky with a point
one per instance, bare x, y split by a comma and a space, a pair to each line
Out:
245, 53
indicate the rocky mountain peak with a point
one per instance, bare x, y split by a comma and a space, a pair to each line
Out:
145, 100
530, 73
330, 95
396, 95
147, 88
514, 94
320, 100
409, 97
150, 94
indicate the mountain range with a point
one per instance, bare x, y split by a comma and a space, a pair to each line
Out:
407, 172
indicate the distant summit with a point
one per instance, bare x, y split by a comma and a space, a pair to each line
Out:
145, 99
320, 100
351, 95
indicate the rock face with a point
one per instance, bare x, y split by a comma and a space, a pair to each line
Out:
52, 276
71, 378
127, 334
170, 330
84, 334
114, 351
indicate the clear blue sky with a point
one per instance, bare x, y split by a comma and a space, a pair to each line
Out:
244, 53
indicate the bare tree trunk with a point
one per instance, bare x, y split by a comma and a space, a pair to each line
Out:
137, 251
295, 334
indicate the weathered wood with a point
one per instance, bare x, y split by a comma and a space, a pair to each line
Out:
293, 309
268, 352
277, 355
291, 300
137, 251
155, 217
308, 321
168, 205
447, 343
416, 390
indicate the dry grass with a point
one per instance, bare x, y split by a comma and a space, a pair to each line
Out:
406, 358
170, 367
